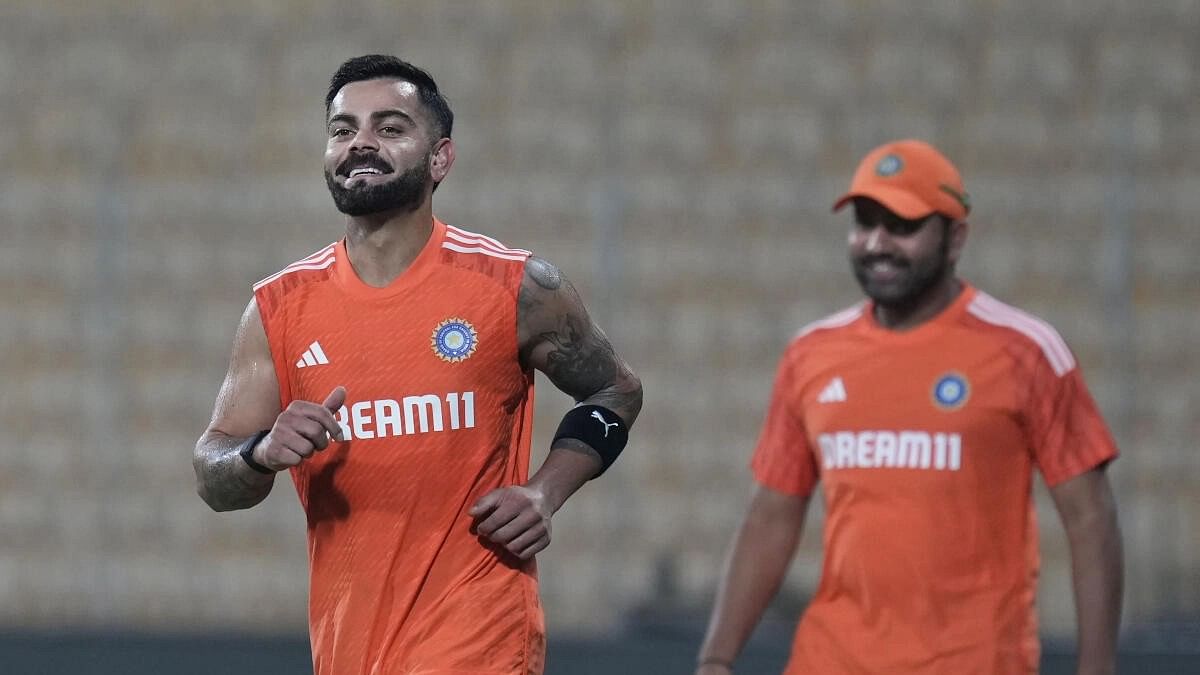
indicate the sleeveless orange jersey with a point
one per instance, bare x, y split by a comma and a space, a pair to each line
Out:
925, 442
438, 413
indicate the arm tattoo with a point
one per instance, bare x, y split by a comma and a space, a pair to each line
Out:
584, 365
573, 352
221, 479
581, 365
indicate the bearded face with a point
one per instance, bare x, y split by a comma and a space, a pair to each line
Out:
379, 148
897, 261
365, 184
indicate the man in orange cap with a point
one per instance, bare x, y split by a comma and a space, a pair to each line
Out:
924, 411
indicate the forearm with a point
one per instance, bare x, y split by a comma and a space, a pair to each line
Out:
223, 479
557, 337
572, 461
569, 465
1097, 575
754, 570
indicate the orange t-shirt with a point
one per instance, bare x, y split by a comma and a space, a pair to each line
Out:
438, 413
925, 441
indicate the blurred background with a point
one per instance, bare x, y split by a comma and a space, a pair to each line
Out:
677, 158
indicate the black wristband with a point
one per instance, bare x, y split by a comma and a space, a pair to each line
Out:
600, 428
246, 450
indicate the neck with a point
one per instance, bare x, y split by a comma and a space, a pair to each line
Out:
382, 246
909, 315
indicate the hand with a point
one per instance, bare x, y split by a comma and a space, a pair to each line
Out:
515, 517
304, 428
714, 669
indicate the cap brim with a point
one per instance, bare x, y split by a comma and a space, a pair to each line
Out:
900, 202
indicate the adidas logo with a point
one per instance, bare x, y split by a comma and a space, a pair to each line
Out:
313, 356
834, 392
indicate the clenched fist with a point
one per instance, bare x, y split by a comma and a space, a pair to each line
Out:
515, 517
304, 428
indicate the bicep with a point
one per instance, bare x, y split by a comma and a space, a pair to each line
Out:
779, 509
248, 400
558, 337
1084, 497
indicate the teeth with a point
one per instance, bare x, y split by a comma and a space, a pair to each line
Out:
360, 172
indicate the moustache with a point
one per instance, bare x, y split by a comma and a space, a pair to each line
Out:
362, 162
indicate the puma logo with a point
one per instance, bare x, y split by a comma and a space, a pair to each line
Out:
597, 415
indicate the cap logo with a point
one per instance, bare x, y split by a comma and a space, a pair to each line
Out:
890, 165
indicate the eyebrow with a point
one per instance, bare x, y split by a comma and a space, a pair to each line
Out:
376, 116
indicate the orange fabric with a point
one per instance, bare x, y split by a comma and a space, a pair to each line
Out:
925, 442
399, 584
912, 179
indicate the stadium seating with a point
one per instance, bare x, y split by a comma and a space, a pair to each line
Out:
676, 158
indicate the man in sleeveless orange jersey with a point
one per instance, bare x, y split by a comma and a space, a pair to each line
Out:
923, 411
391, 374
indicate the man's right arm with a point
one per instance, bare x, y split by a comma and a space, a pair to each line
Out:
248, 404
757, 563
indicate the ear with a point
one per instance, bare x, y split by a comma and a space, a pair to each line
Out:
441, 159
958, 239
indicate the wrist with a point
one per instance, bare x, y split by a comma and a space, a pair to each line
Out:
566, 469
542, 493
246, 451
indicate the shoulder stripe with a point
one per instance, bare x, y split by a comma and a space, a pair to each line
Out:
465, 237
317, 261
1043, 334
843, 318
479, 240
294, 268
319, 254
1052, 342
473, 235
485, 251
471, 241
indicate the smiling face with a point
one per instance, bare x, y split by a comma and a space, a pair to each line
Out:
898, 262
381, 155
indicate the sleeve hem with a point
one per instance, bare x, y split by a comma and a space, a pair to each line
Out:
786, 487
1077, 469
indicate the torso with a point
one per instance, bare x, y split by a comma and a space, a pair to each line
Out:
922, 444
438, 413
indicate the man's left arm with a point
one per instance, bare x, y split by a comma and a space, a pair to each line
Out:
557, 337
1089, 514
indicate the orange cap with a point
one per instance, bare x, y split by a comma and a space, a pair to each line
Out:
912, 179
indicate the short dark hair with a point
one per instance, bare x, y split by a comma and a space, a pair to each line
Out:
378, 66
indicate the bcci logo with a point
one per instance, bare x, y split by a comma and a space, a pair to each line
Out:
951, 391
454, 340
890, 165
